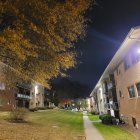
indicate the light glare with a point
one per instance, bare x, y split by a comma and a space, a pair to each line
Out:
138, 51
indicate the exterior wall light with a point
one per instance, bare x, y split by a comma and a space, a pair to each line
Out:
138, 51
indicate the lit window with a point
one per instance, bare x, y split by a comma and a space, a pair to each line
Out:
138, 88
131, 91
9, 102
2, 86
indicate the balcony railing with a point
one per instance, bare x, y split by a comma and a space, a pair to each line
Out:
23, 96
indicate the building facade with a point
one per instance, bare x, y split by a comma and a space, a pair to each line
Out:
11, 98
122, 81
127, 76
22, 95
7, 98
26, 95
37, 95
99, 94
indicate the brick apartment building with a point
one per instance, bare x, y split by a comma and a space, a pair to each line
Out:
23, 95
125, 68
15, 97
7, 98
27, 95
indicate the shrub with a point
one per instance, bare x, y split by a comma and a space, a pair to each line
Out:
33, 109
114, 121
18, 114
41, 108
47, 107
107, 119
101, 117
94, 113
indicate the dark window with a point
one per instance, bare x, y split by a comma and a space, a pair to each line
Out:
20, 90
134, 121
138, 88
131, 91
120, 93
117, 71
126, 63
1, 102
27, 92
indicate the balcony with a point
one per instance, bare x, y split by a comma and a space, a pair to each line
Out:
115, 106
23, 93
110, 85
112, 106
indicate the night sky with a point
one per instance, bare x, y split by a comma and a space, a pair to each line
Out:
111, 20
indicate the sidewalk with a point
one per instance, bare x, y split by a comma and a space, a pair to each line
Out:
90, 131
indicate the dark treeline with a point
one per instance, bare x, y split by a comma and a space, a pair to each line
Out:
67, 89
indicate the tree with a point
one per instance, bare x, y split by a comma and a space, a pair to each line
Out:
37, 36
67, 89
80, 103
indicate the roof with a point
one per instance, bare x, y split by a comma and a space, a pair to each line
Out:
132, 37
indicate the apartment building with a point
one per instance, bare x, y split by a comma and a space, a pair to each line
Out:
37, 95
10, 98
7, 98
123, 89
93, 105
23, 94
127, 78
111, 96
100, 98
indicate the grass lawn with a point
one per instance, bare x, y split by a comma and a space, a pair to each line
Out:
3, 115
93, 117
44, 125
111, 132
114, 132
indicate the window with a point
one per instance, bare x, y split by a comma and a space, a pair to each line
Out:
126, 63
2, 86
20, 90
115, 82
117, 71
27, 92
120, 93
138, 88
134, 121
131, 91
9, 102
1, 102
